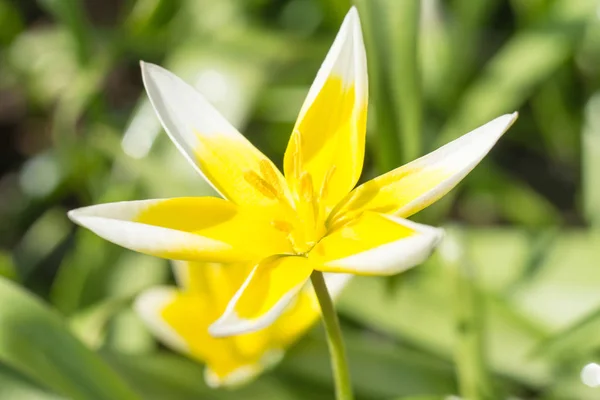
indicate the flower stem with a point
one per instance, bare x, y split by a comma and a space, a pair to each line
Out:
337, 350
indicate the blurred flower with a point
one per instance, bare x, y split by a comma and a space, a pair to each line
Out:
180, 318
308, 218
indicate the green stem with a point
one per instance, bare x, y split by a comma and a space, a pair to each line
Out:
337, 350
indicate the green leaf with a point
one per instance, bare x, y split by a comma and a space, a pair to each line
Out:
430, 300
167, 376
14, 386
36, 342
528, 58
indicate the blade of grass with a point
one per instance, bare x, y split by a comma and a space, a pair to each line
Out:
70, 13
404, 76
387, 142
527, 59
37, 343
590, 160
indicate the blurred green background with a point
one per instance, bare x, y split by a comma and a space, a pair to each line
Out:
508, 308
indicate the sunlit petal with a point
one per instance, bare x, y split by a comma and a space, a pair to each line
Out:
187, 228
375, 244
329, 137
270, 287
236, 169
412, 187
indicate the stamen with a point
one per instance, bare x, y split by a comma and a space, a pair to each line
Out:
270, 176
296, 154
307, 194
258, 183
325, 186
306, 187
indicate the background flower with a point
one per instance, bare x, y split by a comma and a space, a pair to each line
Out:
180, 318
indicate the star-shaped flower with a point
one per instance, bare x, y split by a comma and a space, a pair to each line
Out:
308, 218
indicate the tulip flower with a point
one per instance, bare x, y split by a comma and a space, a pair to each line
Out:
296, 225
180, 317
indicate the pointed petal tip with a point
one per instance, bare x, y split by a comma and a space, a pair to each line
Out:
234, 379
224, 328
149, 68
352, 13
77, 215
506, 120
72, 215
354, 19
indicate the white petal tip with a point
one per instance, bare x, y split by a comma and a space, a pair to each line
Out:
72, 215
353, 13
590, 375
80, 216
149, 68
149, 305
228, 326
234, 379
244, 374
513, 117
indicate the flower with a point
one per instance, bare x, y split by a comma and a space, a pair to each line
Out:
310, 217
180, 318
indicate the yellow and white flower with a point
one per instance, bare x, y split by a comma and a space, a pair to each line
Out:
180, 318
308, 218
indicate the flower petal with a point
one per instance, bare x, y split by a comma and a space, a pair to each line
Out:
235, 168
269, 288
219, 283
181, 321
304, 311
329, 137
187, 228
150, 304
375, 244
414, 186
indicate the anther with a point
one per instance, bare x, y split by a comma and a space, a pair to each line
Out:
258, 183
270, 176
